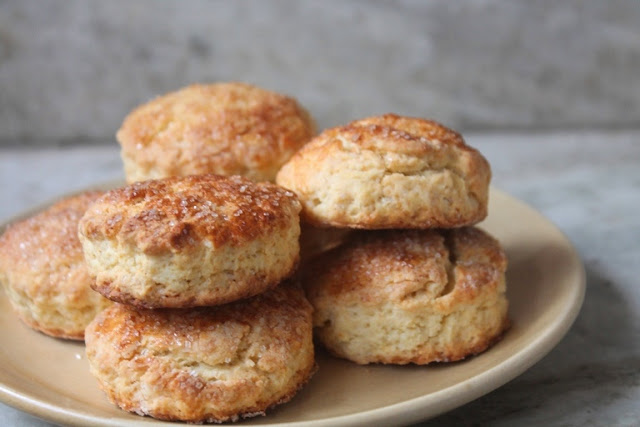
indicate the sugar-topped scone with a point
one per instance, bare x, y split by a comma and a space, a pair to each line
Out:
223, 128
43, 270
208, 364
389, 172
412, 296
191, 241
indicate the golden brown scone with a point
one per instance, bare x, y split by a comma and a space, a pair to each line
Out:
414, 296
208, 364
191, 241
224, 128
389, 172
44, 273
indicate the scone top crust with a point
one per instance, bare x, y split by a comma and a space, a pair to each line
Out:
224, 128
383, 155
271, 323
47, 242
408, 268
407, 135
391, 133
174, 214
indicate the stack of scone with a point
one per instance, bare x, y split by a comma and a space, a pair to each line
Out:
165, 249
207, 328
196, 318
425, 286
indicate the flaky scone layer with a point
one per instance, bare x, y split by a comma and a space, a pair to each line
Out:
209, 364
191, 241
415, 296
43, 270
389, 172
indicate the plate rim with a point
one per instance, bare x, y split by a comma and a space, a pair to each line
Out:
413, 410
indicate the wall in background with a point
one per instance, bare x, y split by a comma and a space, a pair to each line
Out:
71, 70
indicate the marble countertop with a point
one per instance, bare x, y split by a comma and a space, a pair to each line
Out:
587, 183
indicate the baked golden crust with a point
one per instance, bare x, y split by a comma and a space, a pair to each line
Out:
207, 364
224, 128
413, 296
191, 241
177, 213
389, 172
44, 273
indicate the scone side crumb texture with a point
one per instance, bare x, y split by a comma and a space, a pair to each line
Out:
415, 296
43, 270
191, 241
210, 364
223, 128
389, 172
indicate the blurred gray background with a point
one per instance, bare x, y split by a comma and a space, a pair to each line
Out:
548, 90
70, 70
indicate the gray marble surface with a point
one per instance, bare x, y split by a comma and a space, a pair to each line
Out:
70, 70
587, 183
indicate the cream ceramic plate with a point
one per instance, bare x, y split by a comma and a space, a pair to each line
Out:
546, 282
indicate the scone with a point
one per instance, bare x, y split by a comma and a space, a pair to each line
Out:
44, 273
411, 296
224, 128
389, 172
190, 241
209, 364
